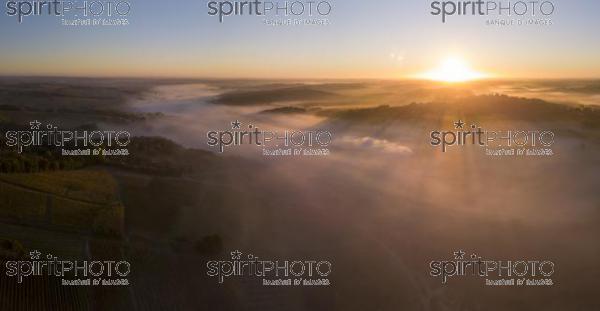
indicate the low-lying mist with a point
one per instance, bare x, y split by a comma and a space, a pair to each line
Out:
385, 202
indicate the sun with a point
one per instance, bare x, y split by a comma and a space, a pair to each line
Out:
453, 69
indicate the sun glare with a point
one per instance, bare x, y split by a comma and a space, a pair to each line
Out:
453, 70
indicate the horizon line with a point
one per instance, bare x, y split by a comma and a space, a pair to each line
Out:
406, 78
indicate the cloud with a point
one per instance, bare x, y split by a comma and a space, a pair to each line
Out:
380, 145
399, 57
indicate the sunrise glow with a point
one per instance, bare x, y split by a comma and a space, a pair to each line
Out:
452, 70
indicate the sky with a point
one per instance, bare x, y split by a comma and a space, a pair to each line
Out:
384, 39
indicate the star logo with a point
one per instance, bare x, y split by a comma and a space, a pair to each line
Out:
236, 255
459, 124
459, 255
35, 255
35, 125
236, 124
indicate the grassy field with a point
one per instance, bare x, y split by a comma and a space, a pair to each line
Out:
81, 201
20, 204
83, 185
